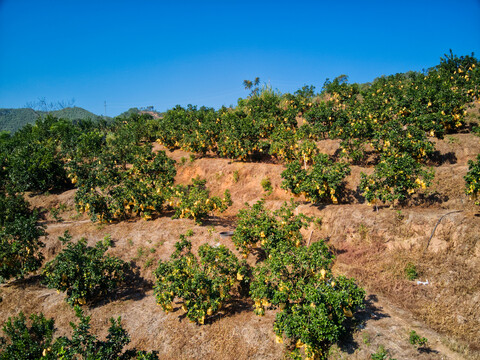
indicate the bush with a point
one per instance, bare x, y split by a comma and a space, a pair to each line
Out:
396, 177
323, 181
19, 238
411, 271
313, 303
36, 167
109, 192
472, 180
193, 201
23, 342
416, 340
266, 185
84, 272
203, 284
258, 226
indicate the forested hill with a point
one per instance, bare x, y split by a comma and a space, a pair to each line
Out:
14, 119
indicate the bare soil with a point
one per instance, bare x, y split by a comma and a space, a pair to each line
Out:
372, 245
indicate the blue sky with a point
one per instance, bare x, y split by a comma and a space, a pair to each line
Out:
162, 53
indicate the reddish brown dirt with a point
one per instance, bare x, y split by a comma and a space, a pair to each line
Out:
373, 246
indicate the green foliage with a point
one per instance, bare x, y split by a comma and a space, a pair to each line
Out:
472, 180
266, 185
239, 135
19, 237
203, 284
313, 304
194, 201
416, 340
323, 181
236, 176
411, 271
84, 272
396, 177
35, 341
24, 342
109, 192
190, 129
381, 354
258, 226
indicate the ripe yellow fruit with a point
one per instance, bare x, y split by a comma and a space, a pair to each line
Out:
323, 272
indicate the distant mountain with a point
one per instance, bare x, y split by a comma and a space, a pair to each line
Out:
14, 119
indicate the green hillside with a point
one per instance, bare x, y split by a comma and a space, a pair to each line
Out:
14, 119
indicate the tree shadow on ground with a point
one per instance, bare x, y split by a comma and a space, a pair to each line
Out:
371, 312
438, 159
133, 288
235, 305
434, 198
228, 222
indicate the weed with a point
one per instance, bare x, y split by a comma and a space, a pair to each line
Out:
183, 160
267, 185
130, 242
399, 216
366, 338
76, 216
211, 230
63, 207
236, 176
148, 263
192, 158
381, 354
452, 140
416, 340
363, 231
411, 271
153, 250
55, 212
140, 253
100, 226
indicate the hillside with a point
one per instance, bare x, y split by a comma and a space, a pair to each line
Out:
14, 119
372, 246
336, 225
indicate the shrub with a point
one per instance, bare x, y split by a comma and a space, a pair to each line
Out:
108, 192
323, 181
23, 342
411, 271
313, 303
396, 177
416, 340
36, 167
19, 238
258, 226
203, 284
472, 179
193, 201
84, 272
266, 185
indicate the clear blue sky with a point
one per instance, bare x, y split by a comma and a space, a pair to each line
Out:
162, 53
